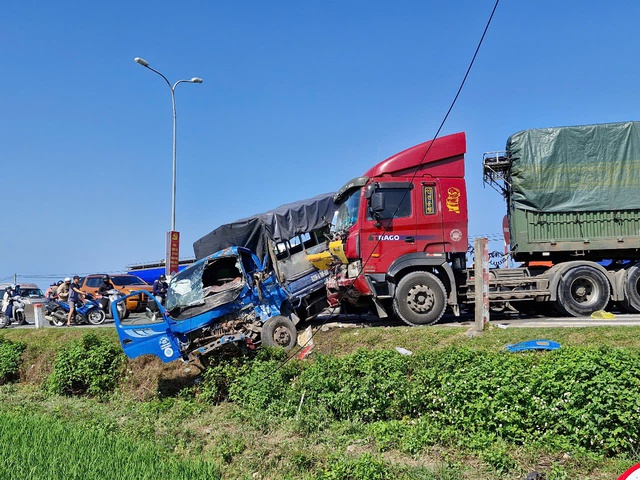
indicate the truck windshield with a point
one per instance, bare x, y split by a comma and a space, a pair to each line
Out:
347, 213
185, 289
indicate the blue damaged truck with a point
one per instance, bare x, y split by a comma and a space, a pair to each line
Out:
250, 286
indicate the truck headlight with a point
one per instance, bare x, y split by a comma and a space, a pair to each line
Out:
354, 269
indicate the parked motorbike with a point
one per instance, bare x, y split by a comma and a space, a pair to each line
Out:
14, 314
56, 311
109, 299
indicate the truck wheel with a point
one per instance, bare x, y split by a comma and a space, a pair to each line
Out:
420, 299
279, 332
582, 291
631, 302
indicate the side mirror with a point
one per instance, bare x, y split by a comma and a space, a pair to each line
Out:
369, 189
376, 204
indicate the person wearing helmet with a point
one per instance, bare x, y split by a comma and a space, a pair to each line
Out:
63, 290
104, 287
160, 288
6, 300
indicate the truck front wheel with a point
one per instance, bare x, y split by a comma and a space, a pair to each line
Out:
582, 291
279, 332
420, 299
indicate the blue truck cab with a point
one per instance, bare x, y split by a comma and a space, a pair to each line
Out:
226, 300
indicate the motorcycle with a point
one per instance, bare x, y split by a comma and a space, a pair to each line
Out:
109, 299
15, 313
57, 311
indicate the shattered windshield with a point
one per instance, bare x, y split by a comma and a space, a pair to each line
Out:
185, 289
347, 213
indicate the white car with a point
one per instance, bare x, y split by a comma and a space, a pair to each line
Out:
31, 294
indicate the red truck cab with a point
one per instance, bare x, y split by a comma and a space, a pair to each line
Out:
406, 214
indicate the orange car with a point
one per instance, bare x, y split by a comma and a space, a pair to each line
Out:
125, 283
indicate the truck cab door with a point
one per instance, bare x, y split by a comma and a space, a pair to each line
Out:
149, 332
388, 224
267, 294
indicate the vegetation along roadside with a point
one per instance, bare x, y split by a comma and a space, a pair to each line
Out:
72, 406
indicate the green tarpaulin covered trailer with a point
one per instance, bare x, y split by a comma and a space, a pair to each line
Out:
574, 191
583, 168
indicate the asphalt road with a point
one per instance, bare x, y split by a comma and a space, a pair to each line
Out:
502, 320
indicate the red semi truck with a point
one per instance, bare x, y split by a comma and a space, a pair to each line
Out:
400, 234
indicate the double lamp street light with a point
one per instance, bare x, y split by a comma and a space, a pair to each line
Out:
173, 237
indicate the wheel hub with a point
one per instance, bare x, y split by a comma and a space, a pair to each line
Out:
582, 291
420, 299
282, 336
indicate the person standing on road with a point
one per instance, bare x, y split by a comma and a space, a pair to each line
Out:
63, 290
75, 298
160, 288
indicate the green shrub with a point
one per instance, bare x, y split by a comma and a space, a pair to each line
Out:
89, 365
364, 467
367, 385
580, 399
222, 372
216, 379
10, 357
265, 386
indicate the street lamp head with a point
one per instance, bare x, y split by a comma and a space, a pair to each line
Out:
196, 80
141, 61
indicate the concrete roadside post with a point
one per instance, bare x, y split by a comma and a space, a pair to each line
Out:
39, 315
481, 274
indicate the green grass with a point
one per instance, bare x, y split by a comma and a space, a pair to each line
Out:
343, 341
265, 434
44, 448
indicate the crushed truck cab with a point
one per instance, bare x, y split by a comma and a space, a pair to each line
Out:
227, 300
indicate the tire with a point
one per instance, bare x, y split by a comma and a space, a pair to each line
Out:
22, 320
583, 290
4, 321
420, 299
56, 321
122, 310
279, 332
631, 302
96, 316
126, 314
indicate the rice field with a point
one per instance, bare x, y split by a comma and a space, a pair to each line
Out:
44, 448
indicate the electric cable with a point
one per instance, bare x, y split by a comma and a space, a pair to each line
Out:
424, 156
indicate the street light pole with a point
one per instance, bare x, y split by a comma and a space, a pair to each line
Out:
172, 236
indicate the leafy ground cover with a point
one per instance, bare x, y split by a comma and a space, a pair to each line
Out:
456, 408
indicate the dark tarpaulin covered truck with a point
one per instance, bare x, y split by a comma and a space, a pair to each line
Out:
281, 239
250, 285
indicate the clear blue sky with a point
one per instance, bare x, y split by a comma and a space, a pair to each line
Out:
298, 97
